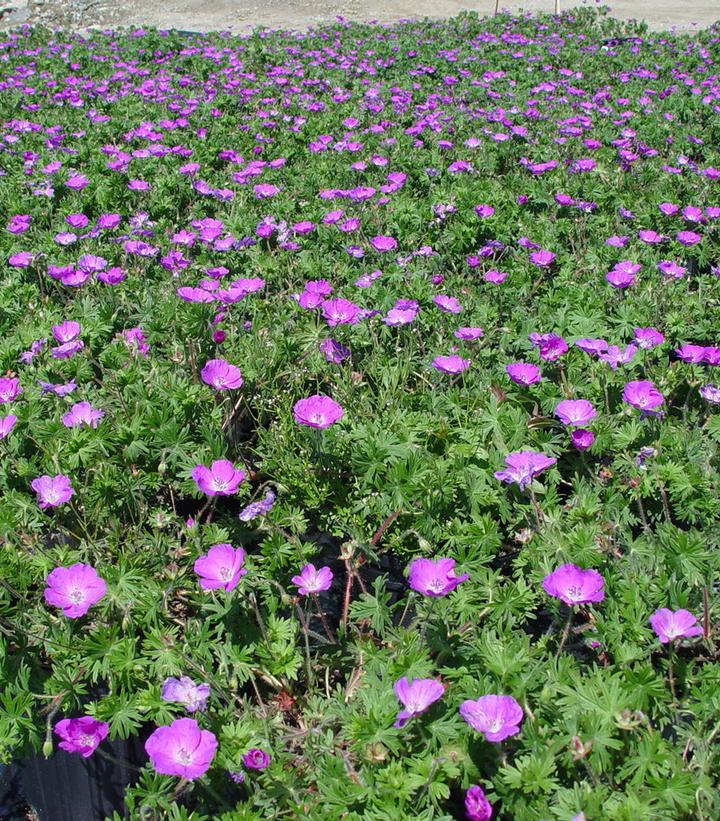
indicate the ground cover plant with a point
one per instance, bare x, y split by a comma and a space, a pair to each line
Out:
359, 427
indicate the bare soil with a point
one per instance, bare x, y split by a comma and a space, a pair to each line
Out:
243, 15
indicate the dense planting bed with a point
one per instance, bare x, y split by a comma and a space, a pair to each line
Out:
365, 377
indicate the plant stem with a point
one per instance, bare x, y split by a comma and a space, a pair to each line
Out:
565, 634
325, 625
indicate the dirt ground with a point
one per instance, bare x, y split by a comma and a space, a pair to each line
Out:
243, 15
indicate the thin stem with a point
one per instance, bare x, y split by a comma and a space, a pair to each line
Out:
671, 670
258, 615
325, 625
408, 602
308, 662
565, 634
536, 508
349, 577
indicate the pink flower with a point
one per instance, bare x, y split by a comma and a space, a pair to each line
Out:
220, 479
383, 244
416, 696
52, 490
340, 312
7, 423
81, 735
522, 466
496, 717
221, 375
674, 624
181, 749
255, 759
477, 807
642, 395
82, 413
317, 411
9, 389
523, 373
573, 585
66, 331
575, 412
450, 364
74, 589
220, 567
434, 577
469, 334
311, 581
403, 312
448, 304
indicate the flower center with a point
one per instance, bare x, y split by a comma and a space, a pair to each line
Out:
182, 756
76, 595
87, 740
575, 593
225, 573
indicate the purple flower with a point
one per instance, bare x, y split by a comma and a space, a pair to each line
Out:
581, 438
450, 364
340, 312
334, 351
7, 423
496, 717
81, 735
383, 244
674, 624
9, 389
477, 807
74, 589
181, 749
550, 346
220, 567
184, 691
66, 331
593, 347
642, 395
448, 304
220, 479
434, 577
542, 258
614, 356
317, 411
484, 211
82, 413
135, 341
619, 278
416, 696
314, 293
692, 354
522, 466
573, 585
68, 349
221, 375
671, 269
575, 412
688, 237
523, 373
403, 312
311, 581
255, 759
259, 508
52, 490
650, 237
710, 393
647, 338
469, 334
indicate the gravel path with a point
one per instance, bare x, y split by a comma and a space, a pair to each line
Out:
243, 15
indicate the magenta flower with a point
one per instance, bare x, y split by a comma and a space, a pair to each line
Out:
317, 411
7, 423
434, 577
692, 354
523, 373
220, 479
334, 351
477, 807
448, 304
575, 412
542, 258
643, 395
416, 696
255, 759
550, 346
340, 312
403, 312
469, 334
615, 356
674, 624
592, 347
181, 749
66, 331
573, 585
74, 589
81, 735
384, 244
220, 567
581, 438
221, 375
312, 581
450, 364
82, 413
184, 691
522, 466
67, 349
314, 293
647, 338
9, 389
496, 717
52, 490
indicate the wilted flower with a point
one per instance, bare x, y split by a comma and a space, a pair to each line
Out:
416, 696
334, 351
184, 691
643, 395
255, 759
74, 589
81, 735
710, 393
259, 508
434, 577
220, 479
575, 412
221, 375
220, 567
496, 717
674, 624
522, 466
477, 807
181, 749
311, 581
317, 411
52, 490
135, 340
573, 585
82, 413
